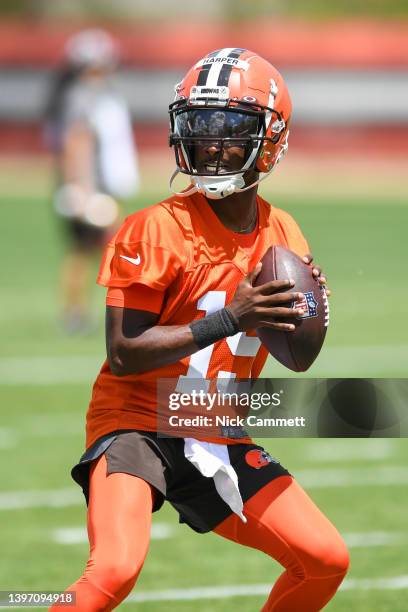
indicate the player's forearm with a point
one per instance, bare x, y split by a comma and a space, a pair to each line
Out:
155, 347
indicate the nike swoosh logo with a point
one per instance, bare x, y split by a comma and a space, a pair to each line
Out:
133, 260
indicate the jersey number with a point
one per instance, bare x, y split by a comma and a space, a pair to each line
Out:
240, 345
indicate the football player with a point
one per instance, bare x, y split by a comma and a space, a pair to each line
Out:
182, 305
88, 129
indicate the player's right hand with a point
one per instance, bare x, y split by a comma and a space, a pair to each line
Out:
265, 305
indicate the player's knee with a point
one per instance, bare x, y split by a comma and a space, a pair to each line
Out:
116, 576
339, 558
341, 561
329, 559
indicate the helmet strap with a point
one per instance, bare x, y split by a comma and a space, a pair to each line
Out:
196, 189
184, 193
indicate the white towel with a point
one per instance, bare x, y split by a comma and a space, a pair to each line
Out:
212, 460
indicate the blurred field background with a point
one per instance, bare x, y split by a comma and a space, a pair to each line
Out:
344, 180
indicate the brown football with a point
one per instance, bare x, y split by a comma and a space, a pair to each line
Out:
296, 350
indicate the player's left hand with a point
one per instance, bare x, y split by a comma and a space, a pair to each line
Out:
317, 272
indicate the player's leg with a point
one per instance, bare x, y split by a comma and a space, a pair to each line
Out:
119, 521
284, 523
75, 285
84, 243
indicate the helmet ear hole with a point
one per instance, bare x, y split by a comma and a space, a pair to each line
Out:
272, 151
265, 157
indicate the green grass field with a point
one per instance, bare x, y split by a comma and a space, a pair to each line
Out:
45, 382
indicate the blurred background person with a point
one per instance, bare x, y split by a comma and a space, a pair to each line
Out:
88, 128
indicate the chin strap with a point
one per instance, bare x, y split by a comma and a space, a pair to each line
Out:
195, 188
184, 193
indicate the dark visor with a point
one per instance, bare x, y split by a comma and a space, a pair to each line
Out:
216, 123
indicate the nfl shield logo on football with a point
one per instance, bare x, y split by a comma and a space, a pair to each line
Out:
308, 304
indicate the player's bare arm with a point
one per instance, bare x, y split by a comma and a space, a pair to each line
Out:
135, 343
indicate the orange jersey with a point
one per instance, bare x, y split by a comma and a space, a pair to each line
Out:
186, 263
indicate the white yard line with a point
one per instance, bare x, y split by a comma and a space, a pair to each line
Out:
51, 498
223, 592
339, 362
394, 583
210, 592
49, 370
43, 425
383, 475
389, 475
329, 451
8, 438
163, 531
78, 535
79, 369
51, 424
374, 538
344, 361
